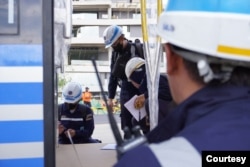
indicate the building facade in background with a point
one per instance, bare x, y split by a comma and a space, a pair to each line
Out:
89, 19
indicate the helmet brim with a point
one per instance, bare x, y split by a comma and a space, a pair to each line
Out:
72, 101
108, 46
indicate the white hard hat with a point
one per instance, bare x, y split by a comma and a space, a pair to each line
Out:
133, 64
216, 28
111, 34
72, 92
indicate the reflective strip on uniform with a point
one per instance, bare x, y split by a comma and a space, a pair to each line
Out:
177, 152
71, 119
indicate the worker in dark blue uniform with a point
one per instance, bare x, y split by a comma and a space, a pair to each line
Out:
208, 66
136, 73
114, 37
76, 120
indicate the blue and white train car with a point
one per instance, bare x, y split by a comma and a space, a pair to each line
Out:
27, 121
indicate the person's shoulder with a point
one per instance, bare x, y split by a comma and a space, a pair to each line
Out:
164, 77
128, 46
176, 148
60, 105
84, 107
114, 53
81, 105
135, 45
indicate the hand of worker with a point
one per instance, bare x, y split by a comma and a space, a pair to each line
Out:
60, 127
110, 103
139, 101
72, 132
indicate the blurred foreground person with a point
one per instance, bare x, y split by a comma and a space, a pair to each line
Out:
208, 67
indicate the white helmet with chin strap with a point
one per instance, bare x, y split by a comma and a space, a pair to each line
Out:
133, 64
215, 28
111, 34
72, 92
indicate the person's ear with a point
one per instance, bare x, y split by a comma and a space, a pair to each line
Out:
169, 59
172, 59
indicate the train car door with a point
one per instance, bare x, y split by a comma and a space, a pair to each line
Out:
27, 122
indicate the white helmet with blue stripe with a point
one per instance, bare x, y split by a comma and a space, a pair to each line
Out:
218, 28
111, 34
72, 92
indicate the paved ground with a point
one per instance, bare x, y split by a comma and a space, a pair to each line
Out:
103, 130
103, 118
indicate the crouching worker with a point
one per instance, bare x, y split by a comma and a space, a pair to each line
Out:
75, 121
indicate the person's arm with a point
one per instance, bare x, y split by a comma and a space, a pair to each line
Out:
88, 125
143, 86
113, 81
60, 126
112, 86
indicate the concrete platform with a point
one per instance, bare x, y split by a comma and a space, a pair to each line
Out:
103, 130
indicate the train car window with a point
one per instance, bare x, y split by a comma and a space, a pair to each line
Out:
9, 17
